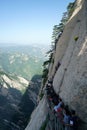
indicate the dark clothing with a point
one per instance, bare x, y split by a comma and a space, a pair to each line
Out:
74, 123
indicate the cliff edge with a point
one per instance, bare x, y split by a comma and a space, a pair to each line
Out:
70, 80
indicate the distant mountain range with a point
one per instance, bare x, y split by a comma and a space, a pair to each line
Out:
24, 61
20, 79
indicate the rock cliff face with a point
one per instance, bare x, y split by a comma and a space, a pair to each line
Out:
70, 80
16, 96
38, 116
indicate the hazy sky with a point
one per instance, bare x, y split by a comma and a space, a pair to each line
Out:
29, 21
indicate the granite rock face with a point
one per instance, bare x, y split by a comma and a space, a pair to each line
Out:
70, 80
38, 116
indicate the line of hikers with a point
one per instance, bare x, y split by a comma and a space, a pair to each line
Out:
68, 118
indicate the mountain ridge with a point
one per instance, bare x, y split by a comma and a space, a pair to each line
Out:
19, 86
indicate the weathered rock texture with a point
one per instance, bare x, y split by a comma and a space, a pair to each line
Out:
38, 116
70, 80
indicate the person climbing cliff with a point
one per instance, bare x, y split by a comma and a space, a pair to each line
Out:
73, 121
58, 106
66, 119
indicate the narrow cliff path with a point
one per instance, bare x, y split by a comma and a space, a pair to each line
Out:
70, 80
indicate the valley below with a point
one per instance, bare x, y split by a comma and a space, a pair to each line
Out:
20, 80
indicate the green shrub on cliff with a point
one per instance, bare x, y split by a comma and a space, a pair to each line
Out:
70, 9
76, 38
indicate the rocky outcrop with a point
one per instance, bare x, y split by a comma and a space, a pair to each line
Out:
70, 80
16, 97
38, 116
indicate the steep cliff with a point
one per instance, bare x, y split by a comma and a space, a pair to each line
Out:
38, 116
70, 80
16, 96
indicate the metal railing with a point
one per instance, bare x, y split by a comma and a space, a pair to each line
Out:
58, 124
